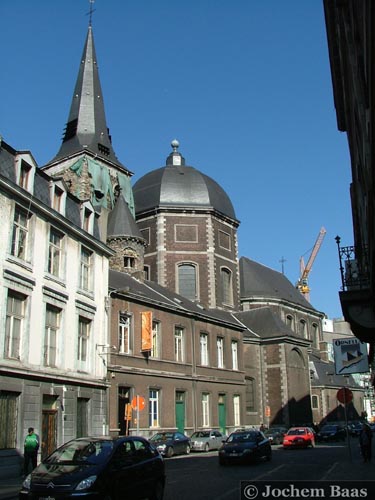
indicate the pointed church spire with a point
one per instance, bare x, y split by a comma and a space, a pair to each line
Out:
86, 130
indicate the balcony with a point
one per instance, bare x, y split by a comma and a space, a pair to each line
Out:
356, 296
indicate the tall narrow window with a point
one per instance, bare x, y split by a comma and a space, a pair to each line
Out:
124, 334
87, 220
205, 410
236, 410
20, 232
303, 328
51, 335
250, 394
84, 326
226, 286
179, 344
155, 349
204, 348
234, 355
187, 281
57, 199
153, 401
54, 252
13, 324
86, 257
315, 335
24, 175
220, 352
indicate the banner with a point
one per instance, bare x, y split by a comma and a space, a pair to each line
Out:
350, 356
146, 331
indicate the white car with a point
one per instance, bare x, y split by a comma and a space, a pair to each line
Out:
206, 440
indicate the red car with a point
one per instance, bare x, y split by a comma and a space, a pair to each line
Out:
299, 437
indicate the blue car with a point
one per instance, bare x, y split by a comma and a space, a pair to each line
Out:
245, 447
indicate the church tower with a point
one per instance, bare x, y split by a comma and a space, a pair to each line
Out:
86, 159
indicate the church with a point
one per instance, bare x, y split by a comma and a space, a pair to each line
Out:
126, 308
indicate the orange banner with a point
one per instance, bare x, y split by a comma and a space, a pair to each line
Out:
146, 331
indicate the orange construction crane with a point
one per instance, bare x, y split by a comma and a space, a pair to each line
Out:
303, 283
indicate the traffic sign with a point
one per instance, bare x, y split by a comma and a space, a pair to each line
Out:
138, 403
344, 395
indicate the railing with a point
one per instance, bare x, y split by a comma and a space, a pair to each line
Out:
354, 267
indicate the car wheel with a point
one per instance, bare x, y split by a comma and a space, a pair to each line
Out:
158, 493
207, 447
170, 452
187, 451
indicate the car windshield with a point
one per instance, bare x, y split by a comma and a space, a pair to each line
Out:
83, 451
296, 432
241, 437
162, 436
330, 428
201, 434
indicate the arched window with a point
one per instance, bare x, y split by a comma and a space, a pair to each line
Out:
226, 285
187, 281
289, 321
303, 328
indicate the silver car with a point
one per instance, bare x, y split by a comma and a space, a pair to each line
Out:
207, 440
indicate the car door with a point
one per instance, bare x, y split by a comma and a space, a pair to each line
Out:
179, 440
125, 473
216, 439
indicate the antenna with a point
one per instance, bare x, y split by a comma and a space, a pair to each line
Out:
91, 11
282, 260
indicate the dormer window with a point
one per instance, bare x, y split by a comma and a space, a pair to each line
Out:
87, 217
57, 199
25, 170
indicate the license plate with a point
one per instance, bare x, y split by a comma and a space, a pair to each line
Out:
233, 454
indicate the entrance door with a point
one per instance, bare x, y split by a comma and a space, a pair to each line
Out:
49, 428
124, 410
180, 411
222, 414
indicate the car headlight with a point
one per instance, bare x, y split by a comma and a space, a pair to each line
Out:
86, 483
162, 446
27, 482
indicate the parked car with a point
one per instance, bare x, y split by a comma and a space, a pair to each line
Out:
299, 437
171, 443
354, 428
276, 434
206, 440
332, 432
245, 446
98, 468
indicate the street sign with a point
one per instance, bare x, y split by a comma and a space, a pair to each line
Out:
138, 403
344, 395
350, 356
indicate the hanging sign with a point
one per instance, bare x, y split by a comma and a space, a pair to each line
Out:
350, 356
146, 333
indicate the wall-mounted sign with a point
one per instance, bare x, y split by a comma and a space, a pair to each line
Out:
350, 356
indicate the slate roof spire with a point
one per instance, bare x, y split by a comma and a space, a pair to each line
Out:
86, 129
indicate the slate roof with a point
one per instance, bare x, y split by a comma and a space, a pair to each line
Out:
86, 129
257, 280
323, 374
180, 186
263, 323
152, 293
121, 222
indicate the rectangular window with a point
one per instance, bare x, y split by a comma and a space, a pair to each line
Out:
204, 348
20, 233
234, 355
57, 199
155, 350
220, 352
51, 335
236, 410
314, 402
179, 344
205, 410
124, 334
14, 323
85, 271
153, 399
86, 222
54, 252
84, 326
250, 394
24, 175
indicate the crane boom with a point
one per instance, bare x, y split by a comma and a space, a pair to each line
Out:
302, 284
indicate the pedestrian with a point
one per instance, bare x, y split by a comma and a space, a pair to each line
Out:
262, 428
365, 442
31, 447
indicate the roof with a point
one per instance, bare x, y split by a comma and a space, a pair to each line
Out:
121, 222
151, 293
264, 323
257, 280
179, 186
86, 129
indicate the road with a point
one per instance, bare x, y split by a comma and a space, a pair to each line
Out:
199, 476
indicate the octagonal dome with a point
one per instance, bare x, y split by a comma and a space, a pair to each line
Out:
180, 186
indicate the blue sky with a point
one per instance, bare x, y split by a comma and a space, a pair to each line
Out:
244, 85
